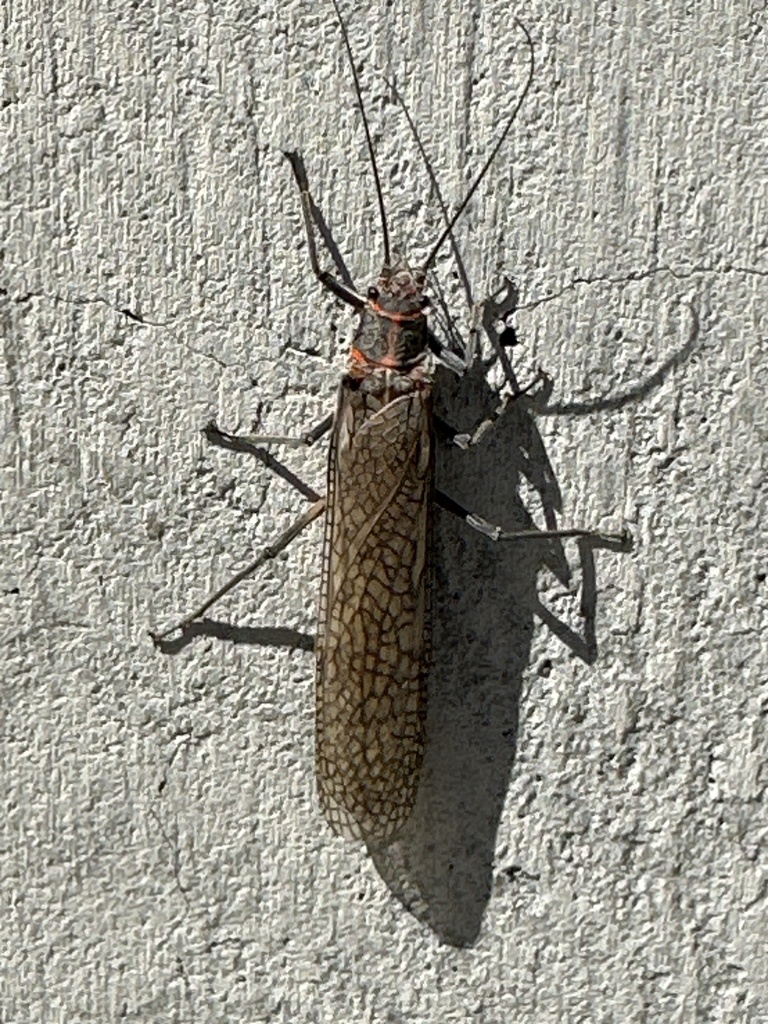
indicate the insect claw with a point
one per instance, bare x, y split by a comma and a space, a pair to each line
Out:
626, 540
542, 383
444, 355
211, 430
483, 526
159, 640
452, 361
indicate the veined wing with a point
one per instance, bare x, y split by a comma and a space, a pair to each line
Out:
371, 702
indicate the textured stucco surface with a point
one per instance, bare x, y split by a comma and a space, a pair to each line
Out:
589, 845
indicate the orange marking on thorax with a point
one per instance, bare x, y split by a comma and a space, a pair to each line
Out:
389, 362
398, 318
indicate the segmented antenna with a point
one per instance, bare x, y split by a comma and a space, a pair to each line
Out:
437, 191
369, 140
473, 188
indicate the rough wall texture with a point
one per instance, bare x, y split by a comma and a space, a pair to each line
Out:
589, 843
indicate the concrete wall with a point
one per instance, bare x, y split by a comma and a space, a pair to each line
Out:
587, 842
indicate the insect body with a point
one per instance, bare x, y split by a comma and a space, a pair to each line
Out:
371, 700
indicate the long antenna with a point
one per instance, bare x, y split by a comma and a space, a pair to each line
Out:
500, 141
437, 191
361, 105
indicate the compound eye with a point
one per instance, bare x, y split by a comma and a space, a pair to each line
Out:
425, 301
373, 293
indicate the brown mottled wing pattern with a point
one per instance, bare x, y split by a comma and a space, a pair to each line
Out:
371, 647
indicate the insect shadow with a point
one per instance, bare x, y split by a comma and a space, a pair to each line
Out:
485, 605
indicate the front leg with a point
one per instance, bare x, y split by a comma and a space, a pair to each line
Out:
309, 210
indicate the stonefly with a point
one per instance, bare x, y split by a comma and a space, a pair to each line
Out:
371, 647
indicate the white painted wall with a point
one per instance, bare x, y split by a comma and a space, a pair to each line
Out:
587, 846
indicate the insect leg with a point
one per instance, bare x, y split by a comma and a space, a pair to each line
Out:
233, 443
241, 443
344, 291
619, 541
469, 440
444, 354
269, 552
